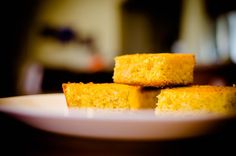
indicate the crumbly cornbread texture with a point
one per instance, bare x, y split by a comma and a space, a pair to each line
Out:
198, 98
108, 95
162, 69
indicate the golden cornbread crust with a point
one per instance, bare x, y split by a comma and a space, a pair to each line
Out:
108, 95
162, 69
216, 99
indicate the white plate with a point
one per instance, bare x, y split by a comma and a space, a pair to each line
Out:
49, 112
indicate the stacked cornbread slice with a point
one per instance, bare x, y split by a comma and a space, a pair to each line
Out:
203, 98
158, 70
109, 95
161, 81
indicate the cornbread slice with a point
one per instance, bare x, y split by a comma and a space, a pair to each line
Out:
162, 69
216, 99
108, 95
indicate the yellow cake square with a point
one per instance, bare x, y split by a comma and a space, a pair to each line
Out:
198, 98
109, 95
160, 69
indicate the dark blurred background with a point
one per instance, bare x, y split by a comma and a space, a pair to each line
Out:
15, 21
46, 43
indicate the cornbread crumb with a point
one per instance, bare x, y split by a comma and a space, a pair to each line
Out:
108, 95
216, 99
162, 69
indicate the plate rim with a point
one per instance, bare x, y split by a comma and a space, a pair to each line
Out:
165, 118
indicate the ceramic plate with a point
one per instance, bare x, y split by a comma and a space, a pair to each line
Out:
49, 112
